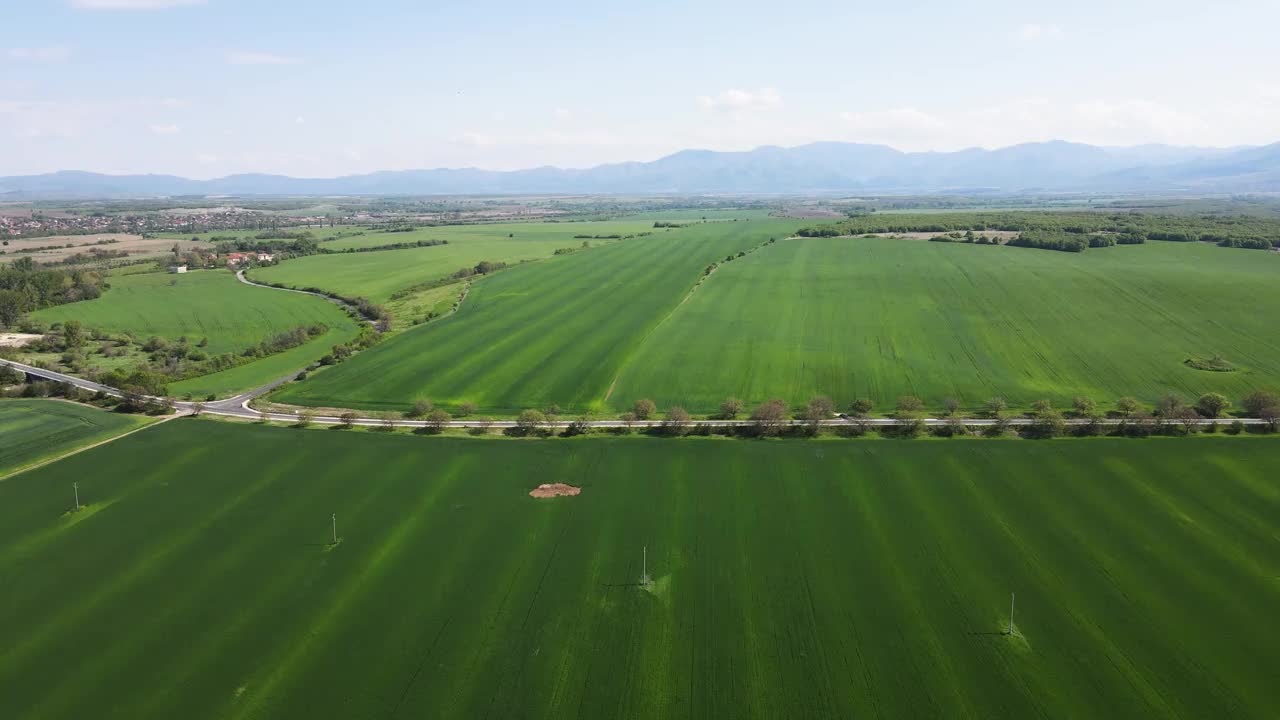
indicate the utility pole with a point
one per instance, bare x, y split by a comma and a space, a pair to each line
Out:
1011, 599
644, 565
335, 529
75, 486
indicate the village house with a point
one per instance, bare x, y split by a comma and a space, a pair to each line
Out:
177, 269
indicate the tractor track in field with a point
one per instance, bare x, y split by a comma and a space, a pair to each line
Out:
713, 267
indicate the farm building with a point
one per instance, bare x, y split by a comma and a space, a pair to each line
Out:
177, 269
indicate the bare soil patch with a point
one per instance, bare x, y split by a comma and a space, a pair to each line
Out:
135, 245
17, 339
549, 490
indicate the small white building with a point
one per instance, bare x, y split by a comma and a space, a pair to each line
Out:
177, 269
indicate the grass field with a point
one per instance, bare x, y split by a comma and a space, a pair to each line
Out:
790, 579
547, 332
212, 305
376, 275
35, 430
882, 318
208, 304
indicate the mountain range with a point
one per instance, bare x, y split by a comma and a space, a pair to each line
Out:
1054, 166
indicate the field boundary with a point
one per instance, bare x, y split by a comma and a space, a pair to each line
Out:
49, 461
711, 270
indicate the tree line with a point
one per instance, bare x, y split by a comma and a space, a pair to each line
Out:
1071, 231
26, 286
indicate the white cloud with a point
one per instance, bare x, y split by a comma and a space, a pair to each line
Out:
1030, 32
741, 100
562, 113
169, 129
54, 53
205, 158
1099, 121
132, 4
247, 57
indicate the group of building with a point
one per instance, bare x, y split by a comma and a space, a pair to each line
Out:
234, 259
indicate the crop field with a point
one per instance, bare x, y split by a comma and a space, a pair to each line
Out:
846, 317
788, 579
882, 318
377, 275
547, 332
32, 431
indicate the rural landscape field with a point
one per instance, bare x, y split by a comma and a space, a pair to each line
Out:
797, 579
487, 361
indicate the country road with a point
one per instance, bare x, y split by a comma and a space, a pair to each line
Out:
238, 407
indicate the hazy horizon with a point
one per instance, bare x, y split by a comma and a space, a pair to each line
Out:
326, 88
1205, 148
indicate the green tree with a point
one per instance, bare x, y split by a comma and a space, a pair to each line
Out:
951, 405
1127, 406
1212, 405
1083, 406
72, 334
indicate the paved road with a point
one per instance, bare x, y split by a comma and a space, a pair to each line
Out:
238, 407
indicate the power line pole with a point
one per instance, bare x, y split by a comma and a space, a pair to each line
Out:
1011, 599
75, 486
335, 529
644, 565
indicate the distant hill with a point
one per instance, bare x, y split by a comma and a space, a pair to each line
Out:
817, 167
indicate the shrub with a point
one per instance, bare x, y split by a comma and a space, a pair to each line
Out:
530, 421
436, 421
466, 408
730, 408
420, 409
348, 420
644, 408
908, 404
676, 422
861, 407
768, 417
1260, 403
951, 405
995, 406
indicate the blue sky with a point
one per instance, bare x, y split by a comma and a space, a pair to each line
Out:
204, 88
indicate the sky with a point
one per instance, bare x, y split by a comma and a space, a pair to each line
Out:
206, 88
